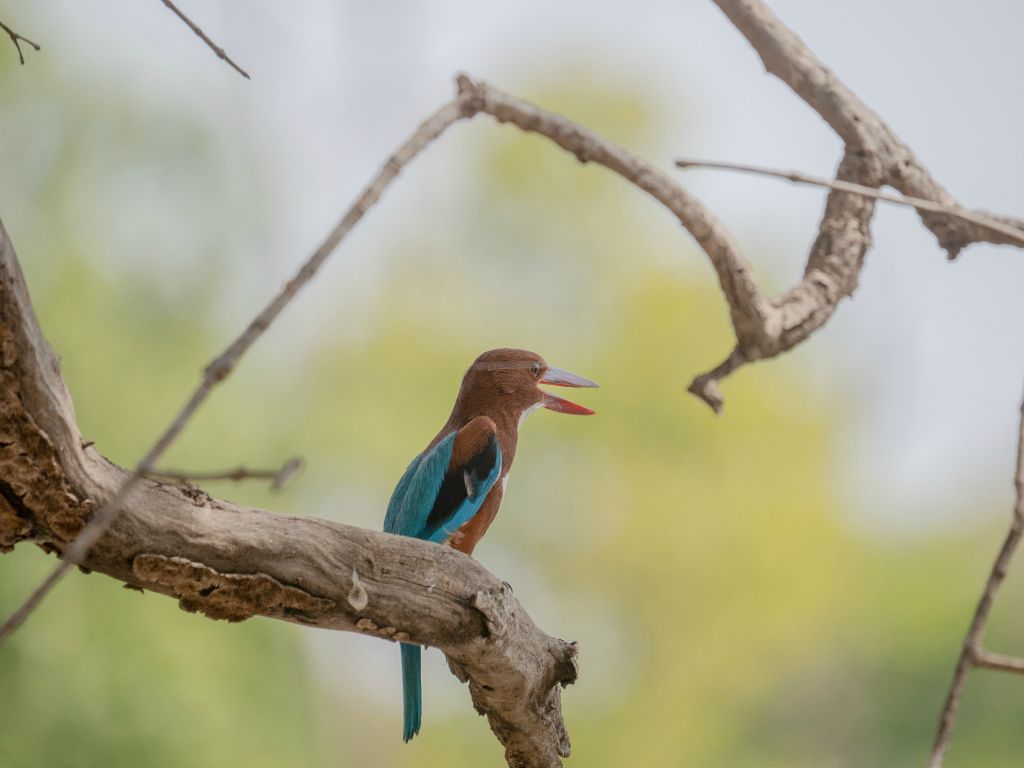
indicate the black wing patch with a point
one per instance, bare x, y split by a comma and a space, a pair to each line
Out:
462, 483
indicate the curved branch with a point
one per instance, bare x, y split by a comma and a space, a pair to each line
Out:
873, 156
787, 57
231, 562
752, 314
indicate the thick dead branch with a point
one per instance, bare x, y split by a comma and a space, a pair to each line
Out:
231, 562
972, 653
203, 36
18, 40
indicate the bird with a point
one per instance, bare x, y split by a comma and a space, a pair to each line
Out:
451, 491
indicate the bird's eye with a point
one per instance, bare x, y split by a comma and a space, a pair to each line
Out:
536, 369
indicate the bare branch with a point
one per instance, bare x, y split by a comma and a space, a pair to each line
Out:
202, 36
277, 477
17, 40
989, 660
230, 562
222, 366
972, 654
1015, 234
873, 157
751, 312
786, 56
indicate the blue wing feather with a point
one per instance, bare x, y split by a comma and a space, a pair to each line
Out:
417, 489
469, 507
415, 496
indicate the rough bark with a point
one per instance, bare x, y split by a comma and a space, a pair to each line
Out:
231, 562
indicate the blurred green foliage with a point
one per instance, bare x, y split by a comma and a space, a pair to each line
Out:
729, 613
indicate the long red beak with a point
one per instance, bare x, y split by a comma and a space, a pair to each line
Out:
561, 378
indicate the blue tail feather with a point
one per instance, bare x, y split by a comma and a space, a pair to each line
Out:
412, 691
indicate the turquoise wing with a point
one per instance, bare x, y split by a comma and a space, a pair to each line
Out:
417, 490
433, 499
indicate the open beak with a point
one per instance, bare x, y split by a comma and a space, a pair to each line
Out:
560, 378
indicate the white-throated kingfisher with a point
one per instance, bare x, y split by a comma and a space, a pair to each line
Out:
451, 492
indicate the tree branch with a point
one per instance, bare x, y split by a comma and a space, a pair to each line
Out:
202, 36
989, 660
972, 653
750, 310
229, 562
17, 40
277, 477
786, 56
1013, 234
873, 157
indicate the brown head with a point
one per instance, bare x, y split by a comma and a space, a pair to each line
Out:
506, 382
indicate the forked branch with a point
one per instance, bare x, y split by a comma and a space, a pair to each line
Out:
18, 39
972, 653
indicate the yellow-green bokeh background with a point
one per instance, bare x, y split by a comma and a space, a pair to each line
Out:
728, 612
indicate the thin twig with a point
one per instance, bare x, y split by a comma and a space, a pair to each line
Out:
859, 189
225, 363
972, 654
202, 36
989, 660
277, 477
16, 39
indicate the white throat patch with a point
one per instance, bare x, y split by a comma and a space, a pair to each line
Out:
528, 411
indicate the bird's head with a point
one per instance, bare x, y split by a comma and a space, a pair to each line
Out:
510, 379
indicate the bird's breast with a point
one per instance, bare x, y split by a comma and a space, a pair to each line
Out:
473, 530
